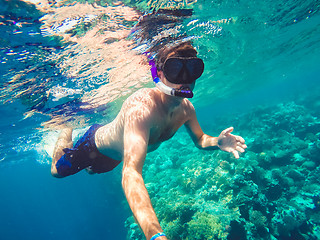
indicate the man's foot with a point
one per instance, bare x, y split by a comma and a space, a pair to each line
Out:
64, 141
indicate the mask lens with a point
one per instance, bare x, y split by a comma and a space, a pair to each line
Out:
195, 67
172, 68
183, 70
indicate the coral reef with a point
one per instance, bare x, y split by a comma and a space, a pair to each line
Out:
271, 192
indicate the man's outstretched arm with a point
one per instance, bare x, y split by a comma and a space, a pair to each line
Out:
135, 148
226, 141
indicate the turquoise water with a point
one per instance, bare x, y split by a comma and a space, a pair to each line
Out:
261, 77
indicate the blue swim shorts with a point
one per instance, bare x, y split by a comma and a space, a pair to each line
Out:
83, 155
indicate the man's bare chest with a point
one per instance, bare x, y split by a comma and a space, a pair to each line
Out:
165, 129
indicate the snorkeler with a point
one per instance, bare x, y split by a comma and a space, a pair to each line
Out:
146, 119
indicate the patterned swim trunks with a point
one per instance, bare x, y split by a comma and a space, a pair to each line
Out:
83, 155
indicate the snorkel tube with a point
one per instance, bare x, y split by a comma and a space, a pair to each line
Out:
164, 88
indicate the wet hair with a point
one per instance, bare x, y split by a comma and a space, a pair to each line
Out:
160, 28
182, 50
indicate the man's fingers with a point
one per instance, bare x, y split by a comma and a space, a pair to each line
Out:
235, 154
244, 146
239, 149
240, 139
228, 130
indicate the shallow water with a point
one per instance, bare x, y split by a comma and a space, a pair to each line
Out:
257, 54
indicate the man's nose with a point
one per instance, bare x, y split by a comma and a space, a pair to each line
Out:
185, 76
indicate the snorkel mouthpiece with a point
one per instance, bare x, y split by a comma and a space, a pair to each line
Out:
187, 93
182, 92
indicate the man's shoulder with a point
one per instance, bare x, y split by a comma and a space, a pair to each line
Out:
140, 99
139, 107
187, 104
142, 95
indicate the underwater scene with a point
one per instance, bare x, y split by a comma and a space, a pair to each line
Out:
74, 62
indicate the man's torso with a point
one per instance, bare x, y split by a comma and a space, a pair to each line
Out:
164, 122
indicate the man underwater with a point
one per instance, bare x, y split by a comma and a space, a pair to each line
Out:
146, 119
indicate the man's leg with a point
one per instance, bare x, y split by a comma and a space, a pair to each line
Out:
64, 141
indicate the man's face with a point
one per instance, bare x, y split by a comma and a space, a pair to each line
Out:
182, 71
184, 86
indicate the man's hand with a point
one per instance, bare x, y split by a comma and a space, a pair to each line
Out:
231, 143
